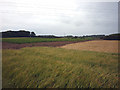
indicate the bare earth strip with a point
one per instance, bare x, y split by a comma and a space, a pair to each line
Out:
96, 45
6, 45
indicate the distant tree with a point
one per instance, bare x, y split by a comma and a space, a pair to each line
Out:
69, 36
23, 33
32, 34
76, 37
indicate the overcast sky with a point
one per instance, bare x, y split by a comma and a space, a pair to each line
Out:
59, 17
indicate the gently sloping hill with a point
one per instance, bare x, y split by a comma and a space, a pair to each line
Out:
96, 45
40, 67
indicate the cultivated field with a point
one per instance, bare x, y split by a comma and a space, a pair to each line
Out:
6, 45
96, 45
17, 43
40, 67
52, 67
37, 40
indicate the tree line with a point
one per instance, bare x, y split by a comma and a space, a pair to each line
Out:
112, 37
23, 33
20, 33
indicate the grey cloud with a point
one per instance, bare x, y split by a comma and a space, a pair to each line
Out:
89, 18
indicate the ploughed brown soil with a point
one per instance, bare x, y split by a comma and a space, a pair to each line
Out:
6, 45
96, 45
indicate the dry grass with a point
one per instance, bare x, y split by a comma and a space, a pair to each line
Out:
96, 45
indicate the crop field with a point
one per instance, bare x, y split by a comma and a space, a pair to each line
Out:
36, 40
110, 46
49, 64
51, 67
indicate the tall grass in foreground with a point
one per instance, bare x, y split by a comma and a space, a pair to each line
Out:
40, 67
36, 40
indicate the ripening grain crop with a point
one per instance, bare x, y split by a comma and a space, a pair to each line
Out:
40, 67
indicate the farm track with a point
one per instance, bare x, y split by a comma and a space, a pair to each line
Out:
6, 45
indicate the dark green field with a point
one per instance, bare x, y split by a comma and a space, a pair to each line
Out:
50, 67
36, 40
